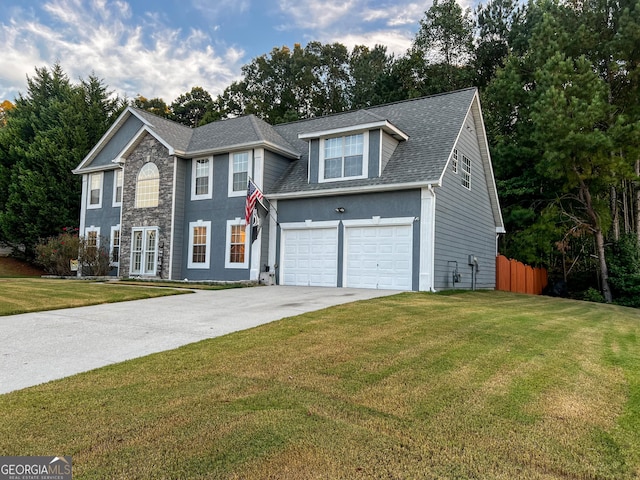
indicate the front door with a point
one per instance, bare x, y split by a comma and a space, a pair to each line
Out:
144, 251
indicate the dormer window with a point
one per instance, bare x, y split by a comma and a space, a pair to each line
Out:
343, 158
343, 153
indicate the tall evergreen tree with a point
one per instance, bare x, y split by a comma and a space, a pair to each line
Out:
444, 44
47, 134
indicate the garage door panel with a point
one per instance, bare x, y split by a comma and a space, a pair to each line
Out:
310, 257
379, 256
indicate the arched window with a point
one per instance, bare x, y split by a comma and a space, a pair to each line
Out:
148, 186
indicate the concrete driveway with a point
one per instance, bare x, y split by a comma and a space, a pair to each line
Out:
39, 347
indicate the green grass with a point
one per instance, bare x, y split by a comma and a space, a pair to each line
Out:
484, 385
22, 295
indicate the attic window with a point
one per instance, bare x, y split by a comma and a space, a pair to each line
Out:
466, 172
454, 161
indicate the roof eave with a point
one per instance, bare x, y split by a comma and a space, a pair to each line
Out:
243, 146
354, 190
387, 126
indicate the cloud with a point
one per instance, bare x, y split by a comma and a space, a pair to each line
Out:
133, 55
356, 22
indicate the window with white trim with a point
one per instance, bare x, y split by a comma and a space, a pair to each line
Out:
239, 168
199, 240
343, 158
454, 160
92, 239
118, 179
114, 250
144, 250
202, 178
466, 172
237, 245
148, 186
95, 190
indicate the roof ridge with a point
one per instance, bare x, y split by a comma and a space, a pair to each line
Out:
374, 115
366, 109
254, 124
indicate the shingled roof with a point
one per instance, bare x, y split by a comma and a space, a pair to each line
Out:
432, 124
238, 132
175, 134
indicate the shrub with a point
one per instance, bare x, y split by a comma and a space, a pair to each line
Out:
94, 260
593, 295
56, 253
624, 271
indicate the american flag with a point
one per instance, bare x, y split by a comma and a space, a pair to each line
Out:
253, 194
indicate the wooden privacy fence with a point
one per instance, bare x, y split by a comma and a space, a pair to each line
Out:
514, 276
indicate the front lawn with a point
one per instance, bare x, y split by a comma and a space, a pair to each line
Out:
23, 295
485, 385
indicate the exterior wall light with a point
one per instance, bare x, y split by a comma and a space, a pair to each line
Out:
340, 210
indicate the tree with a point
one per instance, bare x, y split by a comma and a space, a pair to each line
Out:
47, 134
288, 85
445, 45
190, 108
332, 78
499, 28
370, 72
157, 106
4, 108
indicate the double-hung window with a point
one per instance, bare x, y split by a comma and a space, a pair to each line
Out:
343, 158
118, 178
237, 246
92, 242
202, 178
239, 168
454, 161
144, 250
466, 172
95, 190
199, 240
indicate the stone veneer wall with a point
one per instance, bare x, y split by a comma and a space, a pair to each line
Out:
148, 150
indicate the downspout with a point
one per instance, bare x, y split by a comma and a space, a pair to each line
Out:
433, 237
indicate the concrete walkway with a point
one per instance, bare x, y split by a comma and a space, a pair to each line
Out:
44, 346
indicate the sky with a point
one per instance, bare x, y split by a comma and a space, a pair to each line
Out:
163, 48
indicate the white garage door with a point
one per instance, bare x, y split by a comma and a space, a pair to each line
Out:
310, 257
379, 257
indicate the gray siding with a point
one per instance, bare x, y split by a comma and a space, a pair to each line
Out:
264, 247
178, 262
389, 145
464, 223
217, 210
124, 134
314, 160
404, 203
374, 153
107, 216
274, 167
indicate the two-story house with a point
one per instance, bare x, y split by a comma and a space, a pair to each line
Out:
399, 196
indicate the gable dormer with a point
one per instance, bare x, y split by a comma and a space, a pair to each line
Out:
352, 152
